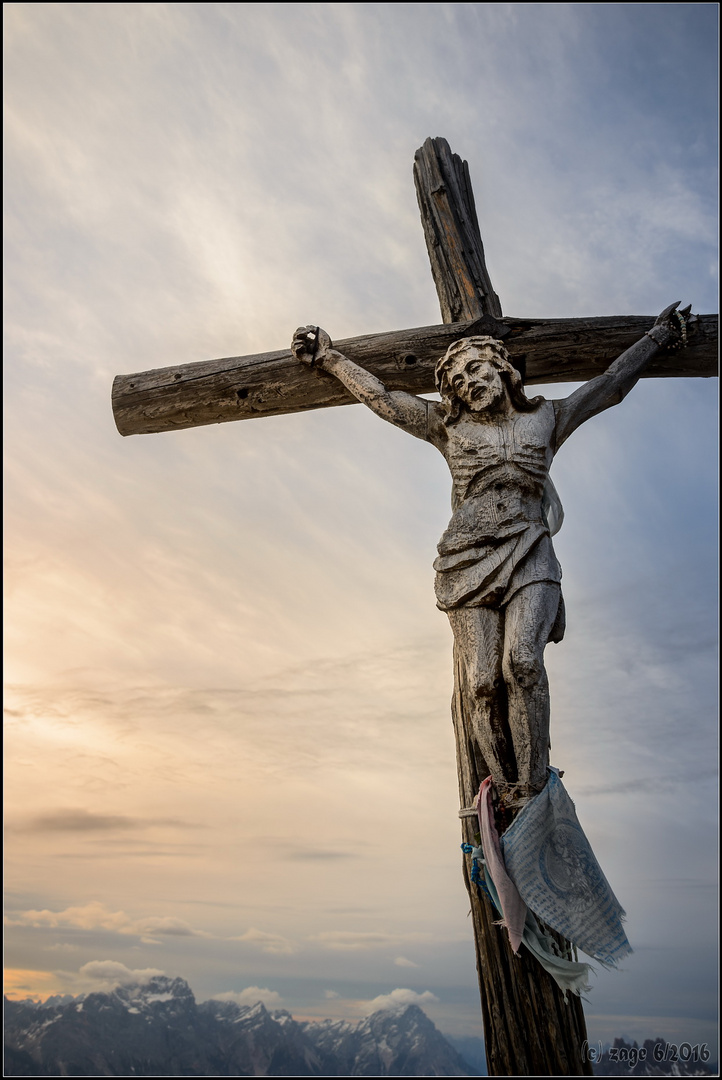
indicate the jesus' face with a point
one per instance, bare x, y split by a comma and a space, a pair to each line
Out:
476, 380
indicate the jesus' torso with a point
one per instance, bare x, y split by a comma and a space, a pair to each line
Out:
498, 539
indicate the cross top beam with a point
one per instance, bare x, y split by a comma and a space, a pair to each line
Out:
545, 350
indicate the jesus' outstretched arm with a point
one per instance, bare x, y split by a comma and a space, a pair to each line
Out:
312, 346
613, 386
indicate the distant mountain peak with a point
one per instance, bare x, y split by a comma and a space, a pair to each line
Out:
156, 1028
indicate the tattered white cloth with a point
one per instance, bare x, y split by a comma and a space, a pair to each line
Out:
550, 860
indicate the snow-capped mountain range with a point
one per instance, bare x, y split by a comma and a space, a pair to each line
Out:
158, 1029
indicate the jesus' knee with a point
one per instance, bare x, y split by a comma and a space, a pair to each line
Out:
524, 667
484, 685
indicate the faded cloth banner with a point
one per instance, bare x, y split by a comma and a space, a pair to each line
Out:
549, 859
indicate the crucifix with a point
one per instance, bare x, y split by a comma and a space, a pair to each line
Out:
497, 577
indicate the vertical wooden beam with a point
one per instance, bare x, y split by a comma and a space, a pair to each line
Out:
529, 1029
453, 239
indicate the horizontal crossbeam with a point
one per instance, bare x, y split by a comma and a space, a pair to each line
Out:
275, 383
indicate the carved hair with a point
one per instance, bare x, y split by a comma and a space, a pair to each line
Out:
499, 357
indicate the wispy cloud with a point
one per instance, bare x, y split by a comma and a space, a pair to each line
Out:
275, 944
352, 940
110, 973
96, 916
250, 996
95, 975
400, 997
308, 854
81, 820
645, 784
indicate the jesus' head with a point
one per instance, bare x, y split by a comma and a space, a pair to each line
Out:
476, 375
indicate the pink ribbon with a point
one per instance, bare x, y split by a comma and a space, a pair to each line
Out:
512, 906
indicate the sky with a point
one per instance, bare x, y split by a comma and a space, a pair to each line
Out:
229, 754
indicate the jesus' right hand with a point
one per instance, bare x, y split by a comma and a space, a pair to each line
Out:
310, 344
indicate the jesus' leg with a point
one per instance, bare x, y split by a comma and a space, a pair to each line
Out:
530, 615
478, 644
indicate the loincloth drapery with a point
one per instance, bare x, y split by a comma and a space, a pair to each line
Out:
477, 570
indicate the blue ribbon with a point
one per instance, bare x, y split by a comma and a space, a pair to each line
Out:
477, 873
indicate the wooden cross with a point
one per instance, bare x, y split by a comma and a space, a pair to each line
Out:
529, 1028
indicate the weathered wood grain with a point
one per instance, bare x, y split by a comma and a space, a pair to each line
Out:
529, 1029
274, 383
451, 230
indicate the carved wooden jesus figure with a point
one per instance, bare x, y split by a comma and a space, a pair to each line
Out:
497, 576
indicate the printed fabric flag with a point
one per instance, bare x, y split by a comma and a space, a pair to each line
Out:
568, 974
549, 859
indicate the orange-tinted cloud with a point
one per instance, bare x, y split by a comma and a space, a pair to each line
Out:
96, 916
21, 983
